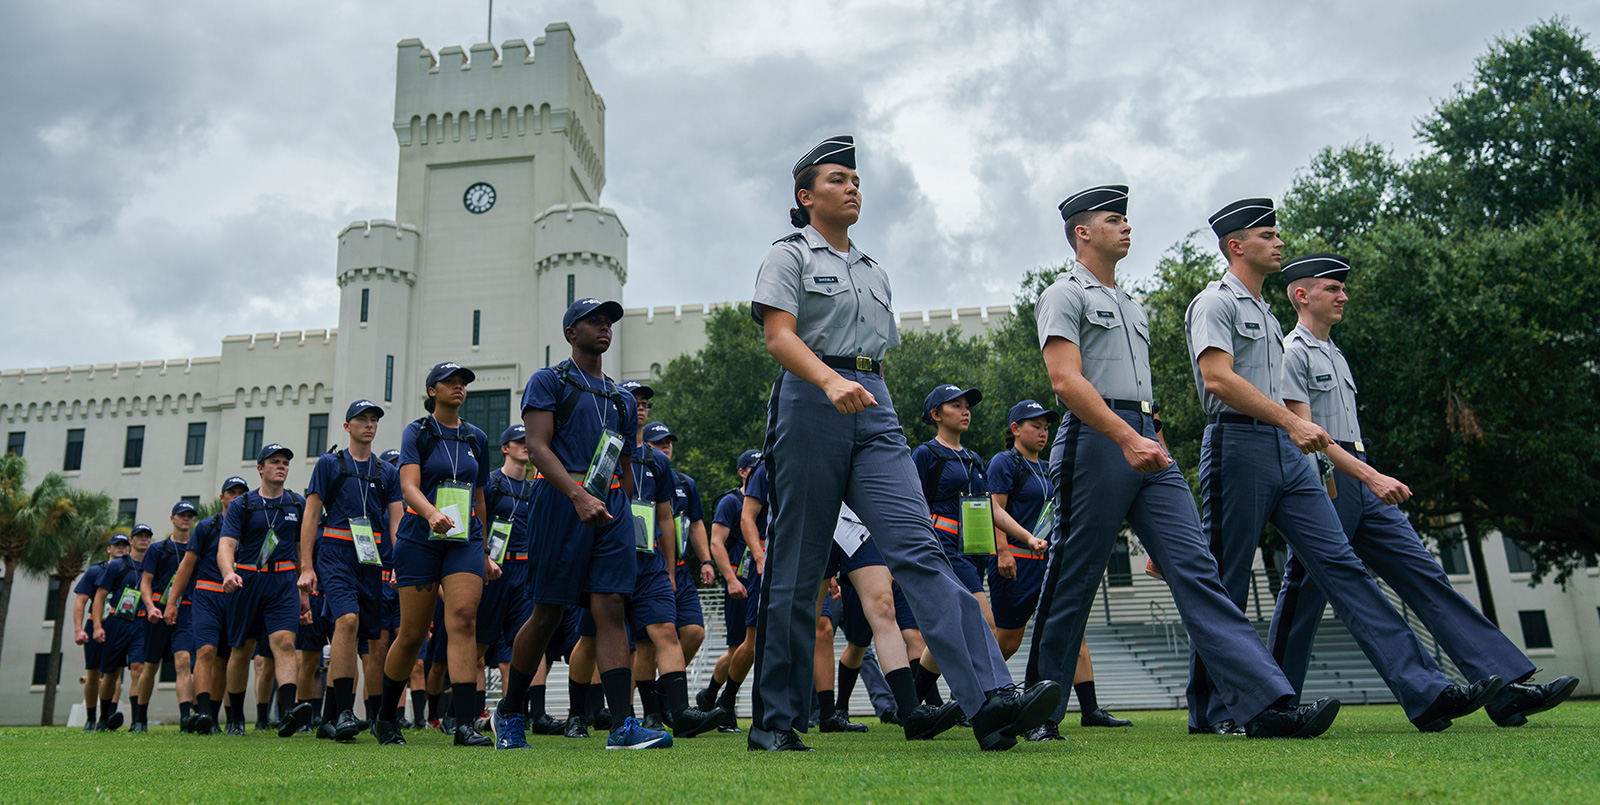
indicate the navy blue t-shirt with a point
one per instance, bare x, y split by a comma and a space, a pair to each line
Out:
1010, 471
354, 497
727, 514
652, 478
119, 574
203, 544
962, 475
161, 561
756, 487
87, 586
686, 499
574, 445
508, 500
453, 459
251, 530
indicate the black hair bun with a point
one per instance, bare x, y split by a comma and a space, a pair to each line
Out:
799, 217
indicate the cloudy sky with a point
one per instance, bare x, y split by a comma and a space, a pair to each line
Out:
175, 172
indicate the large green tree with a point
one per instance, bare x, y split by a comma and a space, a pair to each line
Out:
70, 526
14, 534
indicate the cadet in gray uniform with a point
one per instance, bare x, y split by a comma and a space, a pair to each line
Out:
1111, 465
833, 436
1254, 470
1317, 385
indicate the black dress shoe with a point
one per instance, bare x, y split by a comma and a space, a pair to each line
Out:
1100, 718
602, 719
1226, 726
263, 726
780, 741
447, 725
575, 728
544, 724
927, 721
297, 718
1302, 721
652, 721
90, 726
325, 732
1516, 701
216, 729
138, 726
114, 723
1045, 732
236, 728
840, 723
346, 727
1457, 701
468, 735
186, 723
704, 700
388, 733
694, 721
730, 728
202, 724
1011, 711
890, 716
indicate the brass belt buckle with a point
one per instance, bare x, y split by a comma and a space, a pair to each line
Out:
863, 363
1144, 405
1360, 448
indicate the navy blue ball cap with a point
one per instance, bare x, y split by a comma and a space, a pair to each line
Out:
143, 529
439, 373
515, 433
582, 308
182, 507
235, 482
749, 458
1328, 266
1029, 409
658, 432
1246, 213
360, 407
119, 538
639, 390
945, 393
392, 456
271, 450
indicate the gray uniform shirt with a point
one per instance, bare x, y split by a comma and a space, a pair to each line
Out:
1315, 372
841, 307
1111, 330
1225, 315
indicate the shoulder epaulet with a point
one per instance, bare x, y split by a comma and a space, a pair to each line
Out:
868, 260
798, 236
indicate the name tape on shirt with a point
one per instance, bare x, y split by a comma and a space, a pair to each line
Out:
825, 280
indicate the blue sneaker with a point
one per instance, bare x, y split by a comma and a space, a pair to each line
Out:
633, 735
510, 731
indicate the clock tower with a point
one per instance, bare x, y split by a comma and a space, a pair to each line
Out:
498, 227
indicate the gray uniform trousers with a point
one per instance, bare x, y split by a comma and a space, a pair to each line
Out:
817, 457
1090, 472
1251, 474
1386, 542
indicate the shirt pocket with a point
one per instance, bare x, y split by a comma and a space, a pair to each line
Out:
1251, 330
883, 299
1322, 382
1143, 329
1104, 317
1350, 383
825, 284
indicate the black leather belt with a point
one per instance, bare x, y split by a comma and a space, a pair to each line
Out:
1234, 419
859, 363
1131, 405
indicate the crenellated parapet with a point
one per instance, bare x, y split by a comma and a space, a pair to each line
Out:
581, 234
378, 249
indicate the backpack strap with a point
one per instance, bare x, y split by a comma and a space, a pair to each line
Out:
931, 479
569, 397
1024, 472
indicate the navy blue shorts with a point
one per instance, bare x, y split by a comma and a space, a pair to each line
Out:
124, 644
161, 641
752, 601
867, 555
586, 628
733, 610
903, 617
857, 630
652, 600
420, 560
1015, 600
969, 570
438, 639
208, 617
391, 607
268, 603
688, 597
505, 605
316, 634
498, 653
565, 637
571, 560
91, 649
348, 587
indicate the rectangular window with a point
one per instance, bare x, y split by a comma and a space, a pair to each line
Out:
366, 296
1453, 558
128, 511
133, 448
388, 379
194, 452
14, 443
317, 436
1516, 558
546, 354
74, 460
489, 410
41, 669
572, 289
1119, 571
52, 604
192, 500
168, 674
477, 324
254, 427
1535, 629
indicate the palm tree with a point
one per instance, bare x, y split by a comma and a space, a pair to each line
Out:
13, 536
70, 526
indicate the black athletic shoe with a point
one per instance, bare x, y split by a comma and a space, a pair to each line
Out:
780, 741
1303, 721
927, 721
602, 720
387, 733
545, 725
1045, 732
236, 728
138, 726
1011, 711
468, 735
694, 721
1516, 701
346, 727
652, 721
1100, 718
297, 719
1226, 726
1457, 701
575, 728
115, 722
841, 723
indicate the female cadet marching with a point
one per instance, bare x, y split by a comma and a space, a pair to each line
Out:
833, 436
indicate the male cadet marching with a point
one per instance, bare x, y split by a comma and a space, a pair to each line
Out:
1111, 465
1317, 385
208, 625
579, 427
1254, 470
256, 553
350, 500
161, 641
84, 622
118, 630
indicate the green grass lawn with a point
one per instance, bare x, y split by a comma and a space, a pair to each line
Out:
1372, 754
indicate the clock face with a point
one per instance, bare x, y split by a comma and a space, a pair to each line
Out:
479, 198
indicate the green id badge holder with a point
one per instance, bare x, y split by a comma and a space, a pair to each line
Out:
499, 538
977, 525
127, 603
747, 563
166, 596
366, 542
454, 500
1045, 527
268, 545
683, 536
644, 526
603, 465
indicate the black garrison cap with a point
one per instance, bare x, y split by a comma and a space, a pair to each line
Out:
1244, 214
837, 150
1106, 197
1331, 266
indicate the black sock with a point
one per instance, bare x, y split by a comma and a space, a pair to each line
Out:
712, 688
825, 704
673, 691
847, 686
184, 708
133, 701
344, 691
730, 695
617, 684
1086, 698
535, 706
287, 699
330, 705
107, 707
594, 700
263, 711
648, 696
577, 699
927, 684
447, 701
514, 692
433, 706
389, 701
140, 711
419, 705
236, 707
91, 709
480, 702
372, 706
215, 706
904, 690
464, 702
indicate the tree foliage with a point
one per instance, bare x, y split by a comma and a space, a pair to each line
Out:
70, 527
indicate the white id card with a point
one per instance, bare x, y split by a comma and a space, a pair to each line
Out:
499, 538
268, 545
127, 603
607, 454
849, 533
453, 500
